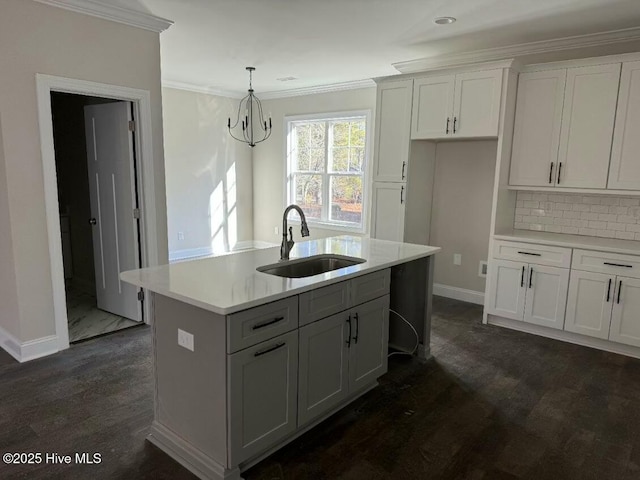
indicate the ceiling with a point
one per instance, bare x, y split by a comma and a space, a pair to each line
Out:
324, 42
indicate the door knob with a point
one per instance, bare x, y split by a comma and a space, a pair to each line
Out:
92, 221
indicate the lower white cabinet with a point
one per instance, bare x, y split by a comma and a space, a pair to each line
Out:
604, 306
625, 318
589, 304
533, 293
341, 354
263, 390
387, 211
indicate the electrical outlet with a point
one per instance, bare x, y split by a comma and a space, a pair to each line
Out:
275, 230
457, 259
185, 339
180, 235
482, 269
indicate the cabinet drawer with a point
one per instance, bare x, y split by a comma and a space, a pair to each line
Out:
609, 263
323, 302
258, 324
369, 287
532, 253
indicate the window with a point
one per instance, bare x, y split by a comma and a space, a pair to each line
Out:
327, 157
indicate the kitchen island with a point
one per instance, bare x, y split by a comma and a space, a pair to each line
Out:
246, 361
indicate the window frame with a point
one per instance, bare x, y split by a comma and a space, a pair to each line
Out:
289, 194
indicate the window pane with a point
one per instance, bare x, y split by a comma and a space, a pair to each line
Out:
356, 161
340, 159
301, 159
346, 199
316, 159
316, 134
308, 190
358, 134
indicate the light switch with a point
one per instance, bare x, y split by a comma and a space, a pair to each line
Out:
185, 339
457, 259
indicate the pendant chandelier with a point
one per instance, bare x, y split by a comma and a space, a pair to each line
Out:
254, 129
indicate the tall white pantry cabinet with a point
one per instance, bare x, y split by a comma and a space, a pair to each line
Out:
456, 104
576, 130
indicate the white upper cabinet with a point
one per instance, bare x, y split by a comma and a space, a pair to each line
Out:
465, 105
624, 172
433, 105
588, 116
393, 131
476, 107
536, 134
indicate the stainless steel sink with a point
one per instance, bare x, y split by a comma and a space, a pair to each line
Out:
307, 267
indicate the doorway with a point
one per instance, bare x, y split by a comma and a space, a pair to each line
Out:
96, 174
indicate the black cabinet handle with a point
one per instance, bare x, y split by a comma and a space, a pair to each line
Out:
447, 131
551, 173
619, 291
609, 291
559, 171
532, 254
270, 349
402, 194
530, 276
455, 120
349, 336
404, 164
258, 326
618, 265
355, 338
522, 278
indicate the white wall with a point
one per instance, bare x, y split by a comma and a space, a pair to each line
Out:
9, 319
269, 162
201, 160
461, 212
36, 38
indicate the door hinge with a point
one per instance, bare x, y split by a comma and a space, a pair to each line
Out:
132, 126
141, 295
136, 213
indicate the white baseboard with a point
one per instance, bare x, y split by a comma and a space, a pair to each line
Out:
564, 336
456, 293
30, 350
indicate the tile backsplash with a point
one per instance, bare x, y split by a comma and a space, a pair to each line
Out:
571, 213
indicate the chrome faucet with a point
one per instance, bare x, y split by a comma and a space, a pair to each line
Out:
287, 245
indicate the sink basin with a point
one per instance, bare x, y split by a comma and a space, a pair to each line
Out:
307, 267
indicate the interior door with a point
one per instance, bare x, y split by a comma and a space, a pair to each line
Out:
589, 303
546, 296
112, 196
625, 319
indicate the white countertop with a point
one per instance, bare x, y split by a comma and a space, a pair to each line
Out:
629, 247
230, 283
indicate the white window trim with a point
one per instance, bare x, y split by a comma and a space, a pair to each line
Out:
366, 188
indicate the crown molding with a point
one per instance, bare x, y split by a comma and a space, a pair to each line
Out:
333, 87
191, 87
113, 13
499, 53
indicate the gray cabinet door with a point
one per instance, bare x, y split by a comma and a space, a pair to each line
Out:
324, 301
370, 286
369, 339
263, 387
324, 360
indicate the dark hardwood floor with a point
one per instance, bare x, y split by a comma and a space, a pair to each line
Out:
492, 404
